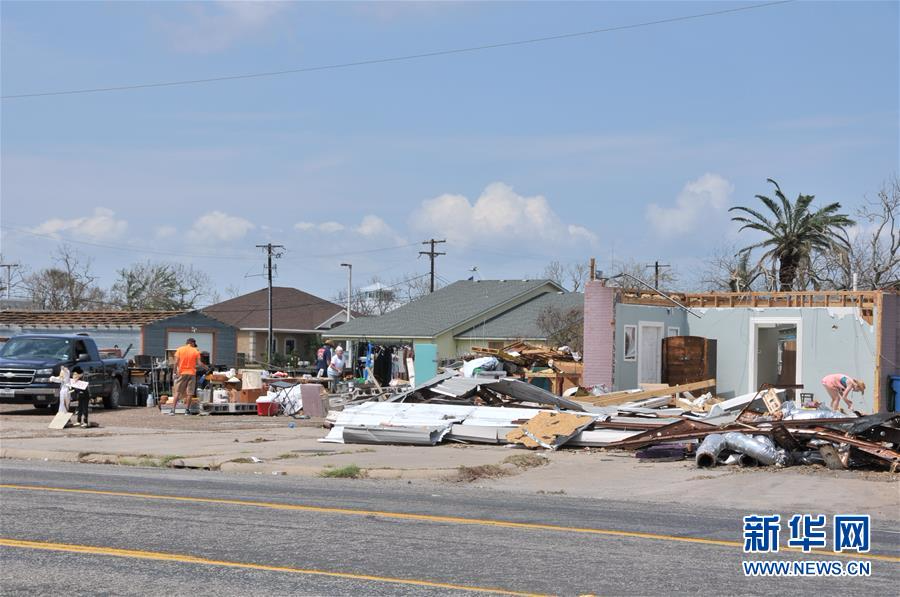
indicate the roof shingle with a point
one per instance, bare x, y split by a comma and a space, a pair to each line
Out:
441, 310
521, 321
292, 309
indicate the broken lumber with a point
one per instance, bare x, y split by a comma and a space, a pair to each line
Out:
616, 398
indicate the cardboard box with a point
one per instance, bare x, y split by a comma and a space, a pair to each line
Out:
250, 396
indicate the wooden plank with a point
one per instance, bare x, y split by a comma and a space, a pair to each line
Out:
623, 397
880, 402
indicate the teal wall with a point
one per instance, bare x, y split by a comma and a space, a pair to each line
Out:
625, 374
832, 340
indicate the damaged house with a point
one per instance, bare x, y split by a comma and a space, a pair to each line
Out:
743, 340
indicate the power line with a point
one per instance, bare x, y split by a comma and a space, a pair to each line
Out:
404, 58
194, 255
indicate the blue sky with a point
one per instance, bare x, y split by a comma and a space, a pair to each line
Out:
628, 145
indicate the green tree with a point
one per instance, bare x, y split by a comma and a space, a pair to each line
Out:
794, 233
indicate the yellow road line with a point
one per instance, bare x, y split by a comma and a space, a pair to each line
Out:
189, 559
434, 518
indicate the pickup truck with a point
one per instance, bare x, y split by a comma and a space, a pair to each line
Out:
27, 362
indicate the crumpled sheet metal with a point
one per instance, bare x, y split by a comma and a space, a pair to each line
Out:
791, 412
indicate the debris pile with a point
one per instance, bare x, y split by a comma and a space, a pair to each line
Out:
660, 423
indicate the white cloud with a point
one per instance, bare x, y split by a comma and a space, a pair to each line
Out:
499, 215
102, 225
165, 231
215, 26
331, 227
219, 226
698, 200
370, 227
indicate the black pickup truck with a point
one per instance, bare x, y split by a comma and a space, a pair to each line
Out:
28, 361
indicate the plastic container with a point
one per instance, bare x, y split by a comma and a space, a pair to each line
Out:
267, 409
895, 385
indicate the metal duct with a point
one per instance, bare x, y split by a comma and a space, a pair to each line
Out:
760, 448
709, 450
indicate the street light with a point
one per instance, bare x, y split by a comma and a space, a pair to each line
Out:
349, 267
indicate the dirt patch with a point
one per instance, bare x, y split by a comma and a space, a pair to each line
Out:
526, 461
468, 474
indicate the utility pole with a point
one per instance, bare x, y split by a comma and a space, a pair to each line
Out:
656, 265
271, 251
9, 267
431, 254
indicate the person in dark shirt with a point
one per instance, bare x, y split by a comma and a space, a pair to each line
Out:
83, 397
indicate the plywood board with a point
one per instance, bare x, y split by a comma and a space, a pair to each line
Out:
60, 420
549, 430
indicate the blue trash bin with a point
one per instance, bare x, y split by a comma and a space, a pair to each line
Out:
895, 385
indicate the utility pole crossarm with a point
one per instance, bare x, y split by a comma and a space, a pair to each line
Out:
432, 254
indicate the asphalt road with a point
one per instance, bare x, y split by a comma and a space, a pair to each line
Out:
359, 537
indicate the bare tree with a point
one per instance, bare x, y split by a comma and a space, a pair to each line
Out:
562, 327
377, 298
874, 248
159, 287
554, 271
67, 286
571, 276
728, 270
16, 281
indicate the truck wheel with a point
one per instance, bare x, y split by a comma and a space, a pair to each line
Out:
112, 401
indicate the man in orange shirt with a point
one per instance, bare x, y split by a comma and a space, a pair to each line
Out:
186, 360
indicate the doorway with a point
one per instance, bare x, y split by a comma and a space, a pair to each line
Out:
775, 353
649, 357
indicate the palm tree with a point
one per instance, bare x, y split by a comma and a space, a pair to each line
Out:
795, 233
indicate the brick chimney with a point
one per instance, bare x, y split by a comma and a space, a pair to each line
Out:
599, 337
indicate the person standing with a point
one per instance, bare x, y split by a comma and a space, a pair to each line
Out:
839, 386
187, 358
323, 359
336, 368
83, 397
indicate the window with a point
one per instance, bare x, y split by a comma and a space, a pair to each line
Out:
629, 339
674, 331
290, 345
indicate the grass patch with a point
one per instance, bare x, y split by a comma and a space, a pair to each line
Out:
351, 471
467, 474
287, 455
149, 461
527, 460
241, 460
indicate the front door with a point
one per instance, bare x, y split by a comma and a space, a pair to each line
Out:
650, 337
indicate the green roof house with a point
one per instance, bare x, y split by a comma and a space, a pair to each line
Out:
466, 313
